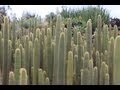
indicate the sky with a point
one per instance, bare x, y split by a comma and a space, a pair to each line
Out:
43, 10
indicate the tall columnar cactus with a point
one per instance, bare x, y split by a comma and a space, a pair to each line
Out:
11, 78
75, 36
23, 80
106, 79
57, 36
90, 68
50, 62
75, 50
23, 58
95, 76
31, 36
99, 27
103, 72
96, 39
5, 61
40, 77
1, 50
110, 30
69, 35
61, 58
17, 64
115, 31
75, 63
45, 61
52, 58
89, 37
35, 62
105, 38
30, 60
86, 60
111, 59
116, 62
27, 60
106, 57
79, 46
98, 64
39, 41
10, 55
70, 68
85, 76
34, 27
47, 81
13, 35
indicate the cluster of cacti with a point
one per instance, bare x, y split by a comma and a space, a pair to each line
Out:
53, 56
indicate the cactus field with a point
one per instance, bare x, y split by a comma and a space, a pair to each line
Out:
55, 55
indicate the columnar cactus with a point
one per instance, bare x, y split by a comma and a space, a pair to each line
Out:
57, 36
105, 38
23, 80
17, 64
90, 68
1, 50
27, 60
99, 27
95, 76
79, 46
47, 81
116, 62
107, 79
61, 58
50, 62
5, 61
23, 58
111, 59
75, 36
98, 64
52, 58
86, 60
103, 72
40, 77
35, 62
30, 60
11, 78
89, 37
115, 31
70, 68
10, 55
85, 76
